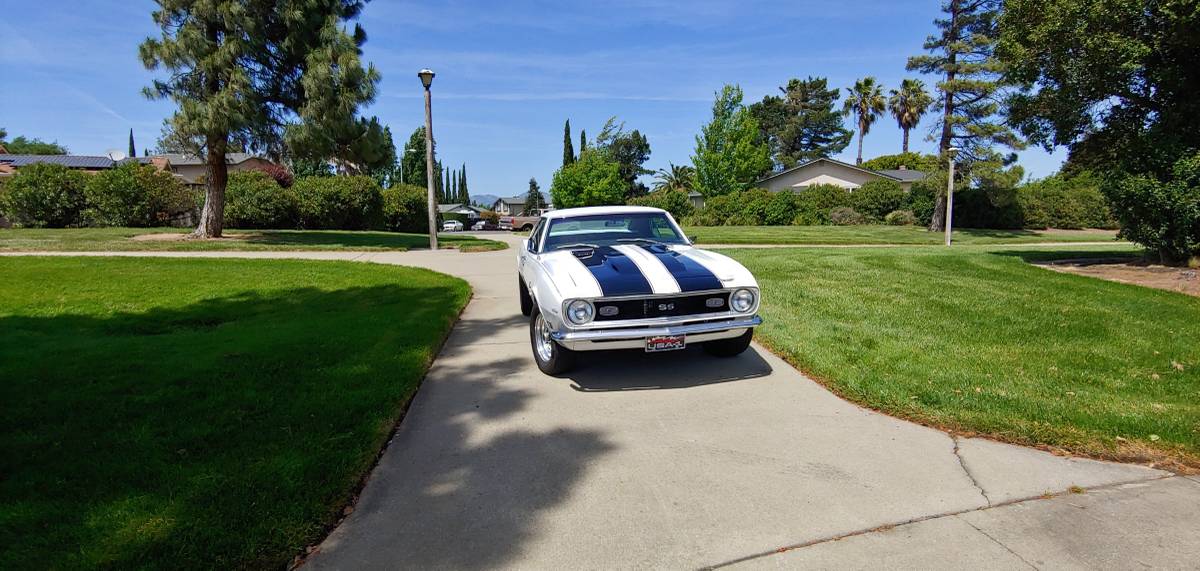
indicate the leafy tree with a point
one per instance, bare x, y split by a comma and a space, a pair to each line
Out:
969, 94
24, 146
730, 155
593, 180
911, 161
247, 69
908, 104
802, 124
675, 177
568, 150
630, 150
413, 161
534, 201
865, 101
132, 149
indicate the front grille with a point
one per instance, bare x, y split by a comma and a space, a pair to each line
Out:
623, 309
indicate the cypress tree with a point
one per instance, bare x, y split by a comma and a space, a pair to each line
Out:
568, 150
132, 149
462, 185
582, 141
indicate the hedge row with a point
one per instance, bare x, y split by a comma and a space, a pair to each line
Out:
50, 195
255, 199
1055, 202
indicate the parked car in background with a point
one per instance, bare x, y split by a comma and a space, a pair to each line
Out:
522, 223
484, 225
626, 277
452, 226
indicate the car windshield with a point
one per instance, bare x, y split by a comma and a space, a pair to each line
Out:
612, 229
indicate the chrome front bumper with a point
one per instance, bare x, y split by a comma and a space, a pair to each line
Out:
635, 337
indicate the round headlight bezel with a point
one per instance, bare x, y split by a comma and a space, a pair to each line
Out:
742, 293
584, 306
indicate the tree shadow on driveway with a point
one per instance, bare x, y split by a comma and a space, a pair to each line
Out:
634, 370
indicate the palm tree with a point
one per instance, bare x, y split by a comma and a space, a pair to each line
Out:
908, 104
675, 177
864, 100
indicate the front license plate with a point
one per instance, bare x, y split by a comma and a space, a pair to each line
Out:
665, 343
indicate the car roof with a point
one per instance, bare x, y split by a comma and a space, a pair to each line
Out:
599, 210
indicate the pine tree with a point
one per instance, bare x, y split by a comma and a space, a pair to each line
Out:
132, 149
534, 201
568, 150
970, 92
241, 72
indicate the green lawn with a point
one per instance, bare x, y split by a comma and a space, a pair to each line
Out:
874, 234
120, 239
978, 340
159, 413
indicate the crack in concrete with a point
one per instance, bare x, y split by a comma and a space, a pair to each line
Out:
890, 526
963, 463
1000, 543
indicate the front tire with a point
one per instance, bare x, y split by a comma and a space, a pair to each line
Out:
526, 300
551, 358
731, 347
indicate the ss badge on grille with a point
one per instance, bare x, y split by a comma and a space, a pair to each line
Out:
714, 302
608, 310
666, 306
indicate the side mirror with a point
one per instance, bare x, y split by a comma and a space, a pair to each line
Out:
692, 239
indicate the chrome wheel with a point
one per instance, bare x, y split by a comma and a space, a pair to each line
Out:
542, 343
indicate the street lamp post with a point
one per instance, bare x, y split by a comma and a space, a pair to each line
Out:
426, 76
950, 192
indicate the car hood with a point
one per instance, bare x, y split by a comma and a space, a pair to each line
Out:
633, 270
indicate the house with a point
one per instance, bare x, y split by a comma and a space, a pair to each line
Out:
827, 171
513, 206
190, 168
470, 212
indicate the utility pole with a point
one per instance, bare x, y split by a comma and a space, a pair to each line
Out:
426, 76
950, 192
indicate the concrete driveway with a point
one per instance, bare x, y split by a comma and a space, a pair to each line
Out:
682, 461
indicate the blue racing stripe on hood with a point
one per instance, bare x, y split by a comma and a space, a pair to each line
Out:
688, 273
616, 273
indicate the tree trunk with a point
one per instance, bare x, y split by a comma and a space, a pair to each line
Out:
212, 216
860, 138
904, 147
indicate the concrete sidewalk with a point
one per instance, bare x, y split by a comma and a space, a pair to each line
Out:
681, 460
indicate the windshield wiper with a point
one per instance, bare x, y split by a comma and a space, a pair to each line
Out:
577, 246
646, 240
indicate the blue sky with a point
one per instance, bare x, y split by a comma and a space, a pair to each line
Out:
509, 73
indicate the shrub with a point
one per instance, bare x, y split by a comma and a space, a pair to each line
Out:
876, 198
1059, 201
781, 208
283, 177
675, 201
900, 218
405, 209
922, 196
1162, 215
846, 216
911, 161
134, 195
338, 202
718, 209
815, 202
742, 219
987, 206
253, 199
46, 195
490, 216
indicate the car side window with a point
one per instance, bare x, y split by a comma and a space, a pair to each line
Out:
535, 237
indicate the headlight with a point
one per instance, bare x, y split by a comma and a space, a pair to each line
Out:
580, 312
742, 300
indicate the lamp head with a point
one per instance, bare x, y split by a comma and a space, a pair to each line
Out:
952, 151
426, 76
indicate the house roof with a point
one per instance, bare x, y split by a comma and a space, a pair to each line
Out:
893, 174
512, 200
180, 159
904, 175
69, 161
452, 207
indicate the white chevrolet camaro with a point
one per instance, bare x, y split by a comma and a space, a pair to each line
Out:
626, 277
